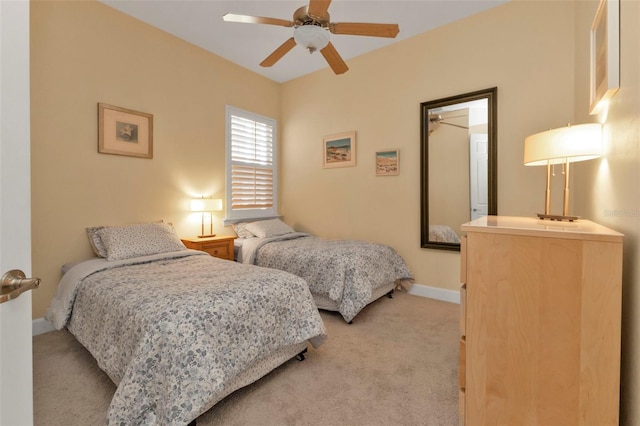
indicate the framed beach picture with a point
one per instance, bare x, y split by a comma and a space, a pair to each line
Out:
123, 131
388, 163
605, 54
339, 150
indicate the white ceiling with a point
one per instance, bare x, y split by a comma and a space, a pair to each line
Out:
200, 23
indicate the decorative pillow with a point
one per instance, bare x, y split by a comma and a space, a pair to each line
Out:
241, 229
124, 242
95, 241
269, 228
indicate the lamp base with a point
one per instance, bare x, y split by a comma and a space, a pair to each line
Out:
206, 236
558, 217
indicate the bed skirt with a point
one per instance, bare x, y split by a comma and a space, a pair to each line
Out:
259, 369
323, 302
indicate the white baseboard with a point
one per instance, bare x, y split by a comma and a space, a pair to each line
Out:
41, 326
445, 295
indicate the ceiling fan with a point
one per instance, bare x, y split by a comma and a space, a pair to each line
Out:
312, 26
436, 119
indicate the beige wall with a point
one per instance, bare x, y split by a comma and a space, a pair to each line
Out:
536, 53
526, 49
608, 190
83, 53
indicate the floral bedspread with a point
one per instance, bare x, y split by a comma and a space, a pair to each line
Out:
171, 332
345, 271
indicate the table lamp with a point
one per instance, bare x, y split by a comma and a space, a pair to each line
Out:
563, 145
204, 205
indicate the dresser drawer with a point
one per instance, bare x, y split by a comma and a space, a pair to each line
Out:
462, 363
463, 310
461, 406
463, 260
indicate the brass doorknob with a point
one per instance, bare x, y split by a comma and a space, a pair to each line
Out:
14, 283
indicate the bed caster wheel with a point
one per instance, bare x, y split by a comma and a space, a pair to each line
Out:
300, 356
390, 294
193, 423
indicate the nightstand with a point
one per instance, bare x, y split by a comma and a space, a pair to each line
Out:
220, 246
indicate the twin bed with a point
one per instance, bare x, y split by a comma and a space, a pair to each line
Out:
343, 275
178, 330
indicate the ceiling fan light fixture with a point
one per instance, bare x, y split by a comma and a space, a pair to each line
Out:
311, 37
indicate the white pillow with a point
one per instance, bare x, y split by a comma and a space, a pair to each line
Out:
241, 229
269, 228
124, 242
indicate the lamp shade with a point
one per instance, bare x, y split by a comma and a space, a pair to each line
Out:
311, 37
572, 143
206, 204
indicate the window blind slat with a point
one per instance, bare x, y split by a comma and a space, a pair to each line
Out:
251, 187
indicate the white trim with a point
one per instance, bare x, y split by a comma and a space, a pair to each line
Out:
445, 295
227, 221
41, 326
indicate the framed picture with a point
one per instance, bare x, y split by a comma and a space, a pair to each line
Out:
605, 54
123, 131
388, 163
339, 150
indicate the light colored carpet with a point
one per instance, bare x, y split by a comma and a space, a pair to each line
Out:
397, 364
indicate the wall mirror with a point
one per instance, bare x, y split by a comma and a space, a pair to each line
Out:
458, 165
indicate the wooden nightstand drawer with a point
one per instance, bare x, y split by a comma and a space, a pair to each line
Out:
217, 250
221, 247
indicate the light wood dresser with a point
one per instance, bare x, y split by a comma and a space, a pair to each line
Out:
540, 322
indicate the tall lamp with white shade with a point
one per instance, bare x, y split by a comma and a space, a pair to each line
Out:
206, 205
563, 145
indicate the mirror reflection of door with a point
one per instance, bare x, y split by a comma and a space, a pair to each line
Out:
458, 156
478, 175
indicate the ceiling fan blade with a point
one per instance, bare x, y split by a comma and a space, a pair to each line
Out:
454, 125
364, 29
318, 8
278, 53
246, 19
333, 58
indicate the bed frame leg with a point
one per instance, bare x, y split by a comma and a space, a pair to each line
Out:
300, 356
193, 423
390, 294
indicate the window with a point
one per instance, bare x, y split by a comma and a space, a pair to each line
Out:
251, 166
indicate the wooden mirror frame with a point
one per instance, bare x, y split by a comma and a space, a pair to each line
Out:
492, 167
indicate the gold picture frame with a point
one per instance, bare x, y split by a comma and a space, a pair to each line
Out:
388, 162
124, 131
339, 150
605, 54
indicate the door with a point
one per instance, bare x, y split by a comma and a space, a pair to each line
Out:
16, 376
478, 175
